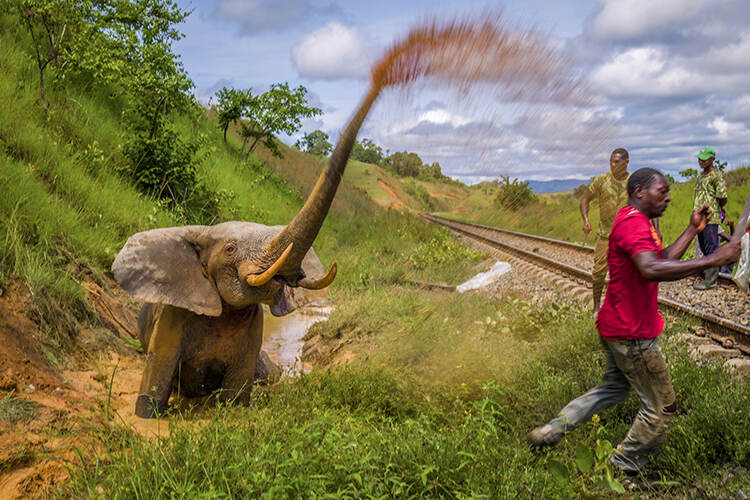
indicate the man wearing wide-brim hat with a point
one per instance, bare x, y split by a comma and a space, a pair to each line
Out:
710, 190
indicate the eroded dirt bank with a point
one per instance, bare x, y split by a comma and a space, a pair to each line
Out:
60, 411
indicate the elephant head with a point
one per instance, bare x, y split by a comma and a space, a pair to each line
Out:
207, 269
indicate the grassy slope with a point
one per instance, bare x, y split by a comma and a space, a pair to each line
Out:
421, 418
558, 215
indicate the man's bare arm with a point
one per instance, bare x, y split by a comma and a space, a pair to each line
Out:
584, 206
698, 221
652, 268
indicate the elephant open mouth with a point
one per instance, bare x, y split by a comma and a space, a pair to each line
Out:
284, 301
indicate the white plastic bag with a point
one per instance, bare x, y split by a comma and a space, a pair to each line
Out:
742, 275
484, 279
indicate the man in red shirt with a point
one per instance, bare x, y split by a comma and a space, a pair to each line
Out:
629, 322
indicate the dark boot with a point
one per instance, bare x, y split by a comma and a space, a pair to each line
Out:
709, 279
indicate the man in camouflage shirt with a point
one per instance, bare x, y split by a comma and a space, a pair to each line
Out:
610, 190
710, 190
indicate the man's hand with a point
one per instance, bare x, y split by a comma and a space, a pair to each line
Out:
699, 218
586, 227
727, 253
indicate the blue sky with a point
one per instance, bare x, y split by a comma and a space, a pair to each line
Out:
667, 76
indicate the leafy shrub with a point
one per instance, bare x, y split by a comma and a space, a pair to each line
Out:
514, 194
580, 191
688, 173
442, 250
738, 176
420, 193
166, 167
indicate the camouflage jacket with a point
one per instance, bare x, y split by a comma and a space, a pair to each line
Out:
708, 189
612, 195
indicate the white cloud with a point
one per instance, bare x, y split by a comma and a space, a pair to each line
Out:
645, 71
633, 19
333, 51
725, 129
441, 116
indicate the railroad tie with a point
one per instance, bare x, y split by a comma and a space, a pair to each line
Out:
713, 352
739, 366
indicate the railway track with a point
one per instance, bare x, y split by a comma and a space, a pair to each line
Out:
585, 251
539, 251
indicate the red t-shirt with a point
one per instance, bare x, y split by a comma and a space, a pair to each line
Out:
630, 310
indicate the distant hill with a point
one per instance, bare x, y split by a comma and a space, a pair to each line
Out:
555, 185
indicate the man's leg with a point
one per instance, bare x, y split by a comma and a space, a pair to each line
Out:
599, 273
709, 242
643, 364
614, 389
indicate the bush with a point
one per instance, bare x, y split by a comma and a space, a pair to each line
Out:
580, 191
514, 194
166, 167
420, 193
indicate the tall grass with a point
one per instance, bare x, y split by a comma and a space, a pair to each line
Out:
558, 215
403, 427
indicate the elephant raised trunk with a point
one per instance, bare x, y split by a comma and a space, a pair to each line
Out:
303, 229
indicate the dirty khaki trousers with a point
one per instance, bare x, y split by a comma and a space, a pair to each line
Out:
631, 364
599, 273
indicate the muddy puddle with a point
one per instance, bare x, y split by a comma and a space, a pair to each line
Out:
282, 337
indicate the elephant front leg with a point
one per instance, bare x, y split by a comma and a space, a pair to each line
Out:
164, 351
238, 381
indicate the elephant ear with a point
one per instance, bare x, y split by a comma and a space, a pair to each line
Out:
163, 266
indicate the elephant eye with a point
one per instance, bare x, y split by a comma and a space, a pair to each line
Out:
230, 249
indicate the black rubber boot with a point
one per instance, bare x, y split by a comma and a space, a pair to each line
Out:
710, 276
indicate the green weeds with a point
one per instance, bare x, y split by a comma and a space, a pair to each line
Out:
440, 410
14, 409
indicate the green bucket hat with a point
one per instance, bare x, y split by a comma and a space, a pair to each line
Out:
706, 153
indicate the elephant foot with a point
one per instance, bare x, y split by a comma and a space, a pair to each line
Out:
147, 406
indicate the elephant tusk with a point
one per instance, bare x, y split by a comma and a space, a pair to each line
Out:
320, 283
265, 277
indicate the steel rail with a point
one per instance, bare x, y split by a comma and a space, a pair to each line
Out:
584, 275
725, 279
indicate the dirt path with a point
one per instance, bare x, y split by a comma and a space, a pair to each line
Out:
441, 195
392, 194
50, 413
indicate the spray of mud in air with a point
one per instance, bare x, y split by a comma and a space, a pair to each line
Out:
500, 78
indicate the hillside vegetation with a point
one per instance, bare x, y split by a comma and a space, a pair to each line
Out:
442, 388
557, 215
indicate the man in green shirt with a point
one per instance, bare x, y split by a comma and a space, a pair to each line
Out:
610, 190
710, 190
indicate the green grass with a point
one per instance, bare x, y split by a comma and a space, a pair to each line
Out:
447, 385
14, 409
558, 215
402, 427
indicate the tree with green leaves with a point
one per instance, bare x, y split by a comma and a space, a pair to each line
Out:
431, 172
123, 43
404, 163
280, 109
367, 151
688, 173
233, 104
316, 142
47, 23
513, 194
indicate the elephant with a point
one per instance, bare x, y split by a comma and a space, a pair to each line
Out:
202, 322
